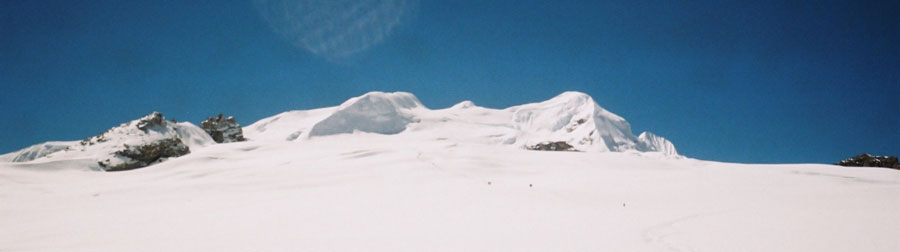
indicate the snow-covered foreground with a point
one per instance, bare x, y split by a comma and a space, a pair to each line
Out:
370, 192
382, 172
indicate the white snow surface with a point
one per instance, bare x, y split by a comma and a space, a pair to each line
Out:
454, 179
372, 192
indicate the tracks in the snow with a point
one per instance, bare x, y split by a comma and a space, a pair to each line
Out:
661, 235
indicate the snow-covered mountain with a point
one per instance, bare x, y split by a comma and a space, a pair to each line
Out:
119, 148
570, 117
382, 172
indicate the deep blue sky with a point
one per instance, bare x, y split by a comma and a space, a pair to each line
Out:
749, 81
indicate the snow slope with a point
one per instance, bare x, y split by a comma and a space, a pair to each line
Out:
375, 112
37, 151
382, 172
372, 192
287, 126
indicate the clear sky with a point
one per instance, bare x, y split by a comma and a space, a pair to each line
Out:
741, 81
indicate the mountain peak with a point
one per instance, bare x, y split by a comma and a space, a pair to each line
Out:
653, 143
400, 100
463, 105
572, 95
373, 112
571, 117
572, 120
153, 119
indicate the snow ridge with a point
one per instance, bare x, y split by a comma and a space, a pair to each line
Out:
575, 118
654, 143
571, 117
36, 151
374, 112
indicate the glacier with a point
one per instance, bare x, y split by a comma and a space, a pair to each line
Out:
382, 172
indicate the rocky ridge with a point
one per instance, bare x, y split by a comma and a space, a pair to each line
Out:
154, 141
868, 160
139, 143
223, 129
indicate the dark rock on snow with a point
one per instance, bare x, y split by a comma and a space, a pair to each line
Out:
223, 129
147, 154
866, 160
144, 154
155, 119
552, 146
151, 120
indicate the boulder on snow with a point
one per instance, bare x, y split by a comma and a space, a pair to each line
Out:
133, 157
223, 129
866, 160
153, 120
140, 148
552, 146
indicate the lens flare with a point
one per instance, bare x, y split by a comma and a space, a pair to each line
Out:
334, 29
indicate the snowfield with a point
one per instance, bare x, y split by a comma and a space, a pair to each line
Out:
456, 179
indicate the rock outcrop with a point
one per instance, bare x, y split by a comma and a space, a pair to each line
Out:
552, 146
140, 143
223, 129
145, 141
144, 155
866, 160
155, 119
